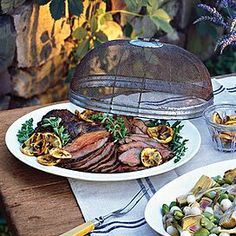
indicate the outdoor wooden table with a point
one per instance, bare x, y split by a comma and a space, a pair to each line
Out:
34, 202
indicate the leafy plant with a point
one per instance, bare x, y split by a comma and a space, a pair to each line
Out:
26, 130
153, 17
223, 15
115, 126
96, 25
58, 129
223, 63
57, 7
178, 144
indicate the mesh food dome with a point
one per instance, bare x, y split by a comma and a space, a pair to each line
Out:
142, 78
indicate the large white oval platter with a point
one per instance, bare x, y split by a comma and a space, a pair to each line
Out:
177, 187
189, 132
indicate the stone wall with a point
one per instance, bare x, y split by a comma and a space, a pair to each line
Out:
33, 54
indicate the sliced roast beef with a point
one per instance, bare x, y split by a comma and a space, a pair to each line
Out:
90, 148
108, 169
71, 123
125, 168
107, 165
131, 137
127, 146
131, 157
97, 160
86, 139
138, 126
77, 162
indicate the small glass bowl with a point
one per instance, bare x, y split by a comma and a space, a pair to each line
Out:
223, 136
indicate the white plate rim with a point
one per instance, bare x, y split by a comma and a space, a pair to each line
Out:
11, 139
214, 169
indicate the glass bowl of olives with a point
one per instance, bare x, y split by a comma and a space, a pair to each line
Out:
221, 121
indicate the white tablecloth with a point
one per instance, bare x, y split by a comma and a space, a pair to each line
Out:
100, 198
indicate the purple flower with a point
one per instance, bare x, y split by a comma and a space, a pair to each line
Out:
226, 3
222, 3
215, 17
212, 19
228, 23
225, 41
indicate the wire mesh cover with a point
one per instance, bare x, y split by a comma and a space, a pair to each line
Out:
119, 77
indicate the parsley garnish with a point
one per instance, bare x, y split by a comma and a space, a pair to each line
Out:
116, 126
58, 129
26, 130
178, 145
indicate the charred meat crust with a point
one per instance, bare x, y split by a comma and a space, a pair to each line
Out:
71, 123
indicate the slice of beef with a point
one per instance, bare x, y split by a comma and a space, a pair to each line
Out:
85, 140
104, 166
75, 163
111, 154
127, 146
125, 168
109, 169
139, 126
97, 160
131, 157
90, 148
70, 121
145, 139
127, 123
130, 138
166, 155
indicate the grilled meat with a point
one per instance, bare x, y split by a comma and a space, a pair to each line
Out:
94, 159
125, 168
87, 139
108, 165
127, 146
90, 148
71, 123
138, 126
75, 163
131, 157
109, 151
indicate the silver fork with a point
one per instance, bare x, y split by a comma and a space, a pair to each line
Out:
89, 226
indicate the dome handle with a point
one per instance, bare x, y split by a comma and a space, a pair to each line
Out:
146, 42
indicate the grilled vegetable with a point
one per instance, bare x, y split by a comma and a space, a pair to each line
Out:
85, 115
48, 160
59, 153
216, 118
40, 143
150, 157
161, 133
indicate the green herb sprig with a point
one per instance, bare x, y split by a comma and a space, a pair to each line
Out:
116, 126
26, 131
58, 129
178, 144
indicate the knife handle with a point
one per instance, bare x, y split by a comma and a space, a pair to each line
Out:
81, 230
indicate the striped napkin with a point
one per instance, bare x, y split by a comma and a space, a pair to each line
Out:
100, 198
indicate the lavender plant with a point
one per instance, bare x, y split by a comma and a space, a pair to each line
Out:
223, 15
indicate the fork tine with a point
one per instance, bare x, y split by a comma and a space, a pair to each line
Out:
143, 189
137, 201
119, 211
